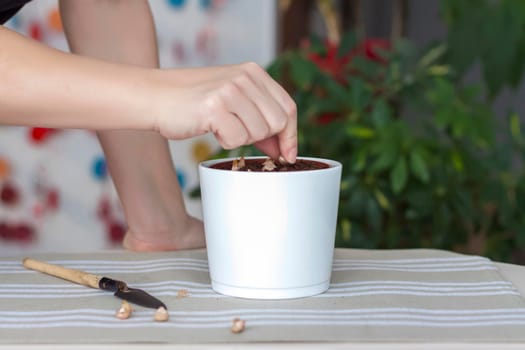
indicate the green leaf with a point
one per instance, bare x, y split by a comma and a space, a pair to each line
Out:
518, 63
335, 90
519, 228
462, 203
367, 69
498, 64
359, 97
515, 126
303, 72
381, 199
380, 113
418, 165
357, 201
421, 201
457, 161
347, 43
463, 34
275, 69
433, 55
439, 70
360, 132
195, 192
476, 28
346, 228
373, 213
441, 222
399, 176
360, 161
385, 160
317, 46
221, 153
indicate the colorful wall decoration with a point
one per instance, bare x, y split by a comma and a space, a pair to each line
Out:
55, 191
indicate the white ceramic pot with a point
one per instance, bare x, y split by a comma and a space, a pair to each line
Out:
270, 235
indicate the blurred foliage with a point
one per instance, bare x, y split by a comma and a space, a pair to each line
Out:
426, 162
491, 33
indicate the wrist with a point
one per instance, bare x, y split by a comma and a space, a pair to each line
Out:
158, 96
147, 89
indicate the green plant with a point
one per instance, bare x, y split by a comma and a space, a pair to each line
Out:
426, 163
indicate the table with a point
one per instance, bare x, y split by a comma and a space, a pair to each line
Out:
512, 273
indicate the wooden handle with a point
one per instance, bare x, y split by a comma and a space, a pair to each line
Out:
72, 275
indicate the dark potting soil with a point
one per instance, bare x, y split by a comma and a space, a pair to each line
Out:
258, 165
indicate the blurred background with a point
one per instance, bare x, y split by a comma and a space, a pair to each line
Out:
421, 101
56, 193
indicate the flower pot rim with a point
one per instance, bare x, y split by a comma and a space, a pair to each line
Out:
332, 164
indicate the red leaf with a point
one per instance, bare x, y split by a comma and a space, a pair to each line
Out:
327, 118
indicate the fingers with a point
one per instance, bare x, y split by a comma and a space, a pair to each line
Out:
278, 108
288, 139
247, 106
230, 131
248, 113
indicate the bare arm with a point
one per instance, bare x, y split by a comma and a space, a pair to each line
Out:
239, 104
42, 86
139, 161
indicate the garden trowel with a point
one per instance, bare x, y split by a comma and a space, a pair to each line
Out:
119, 288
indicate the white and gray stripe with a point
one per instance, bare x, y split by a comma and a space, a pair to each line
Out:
431, 295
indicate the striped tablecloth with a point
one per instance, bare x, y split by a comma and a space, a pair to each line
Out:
375, 296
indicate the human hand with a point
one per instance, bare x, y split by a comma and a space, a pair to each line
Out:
240, 104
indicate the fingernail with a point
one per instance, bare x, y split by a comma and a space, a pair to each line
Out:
292, 154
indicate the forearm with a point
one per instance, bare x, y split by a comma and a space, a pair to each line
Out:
45, 87
139, 162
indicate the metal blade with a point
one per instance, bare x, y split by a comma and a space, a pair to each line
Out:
132, 295
139, 297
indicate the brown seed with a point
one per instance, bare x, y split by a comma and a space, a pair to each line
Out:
238, 325
282, 160
182, 293
238, 164
242, 163
268, 165
235, 165
125, 310
161, 315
